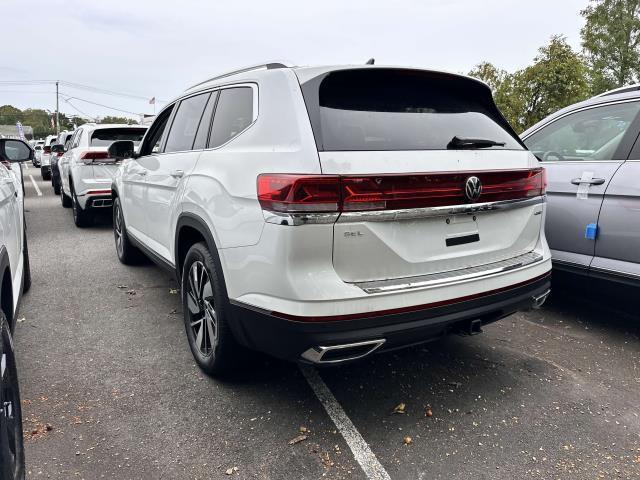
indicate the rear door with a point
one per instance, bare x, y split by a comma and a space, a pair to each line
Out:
618, 242
166, 172
389, 133
581, 151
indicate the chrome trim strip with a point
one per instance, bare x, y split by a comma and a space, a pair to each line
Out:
617, 273
415, 213
293, 219
453, 276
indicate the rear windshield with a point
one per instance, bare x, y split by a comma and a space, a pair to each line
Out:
106, 136
390, 109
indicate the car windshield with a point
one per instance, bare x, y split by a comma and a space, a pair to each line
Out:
106, 136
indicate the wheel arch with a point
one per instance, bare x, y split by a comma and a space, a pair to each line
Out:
190, 229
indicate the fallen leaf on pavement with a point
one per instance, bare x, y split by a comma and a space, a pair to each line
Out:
399, 408
131, 292
20, 320
173, 291
428, 412
304, 429
298, 439
122, 287
408, 440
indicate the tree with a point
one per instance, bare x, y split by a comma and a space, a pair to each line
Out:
611, 43
125, 120
557, 78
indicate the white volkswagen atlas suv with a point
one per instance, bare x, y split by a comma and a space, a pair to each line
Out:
321, 214
86, 171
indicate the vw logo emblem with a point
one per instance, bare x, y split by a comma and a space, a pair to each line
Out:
473, 188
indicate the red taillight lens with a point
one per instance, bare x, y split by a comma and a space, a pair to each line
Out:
88, 157
59, 154
47, 149
332, 193
299, 193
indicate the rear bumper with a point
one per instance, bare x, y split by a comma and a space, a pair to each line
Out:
290, 338
45, 169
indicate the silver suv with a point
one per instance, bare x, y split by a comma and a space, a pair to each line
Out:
591, 151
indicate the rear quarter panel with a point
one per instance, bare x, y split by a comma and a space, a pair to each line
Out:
222, 188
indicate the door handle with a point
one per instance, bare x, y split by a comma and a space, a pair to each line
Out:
177, 173
593, 181
142, 172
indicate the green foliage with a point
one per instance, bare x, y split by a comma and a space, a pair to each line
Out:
125, 120
40, 120
557, 78
611, 42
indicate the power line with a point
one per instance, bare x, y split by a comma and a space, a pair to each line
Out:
79, 86
98, 104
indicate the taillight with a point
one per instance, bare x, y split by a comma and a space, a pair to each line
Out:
335, 193
89, 157
59, 154
299, 193
47, 149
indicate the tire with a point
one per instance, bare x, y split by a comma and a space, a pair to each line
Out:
11, 438
80, 217
45, 175
26, 272
204, 302
56, 188
127, 253
65, 199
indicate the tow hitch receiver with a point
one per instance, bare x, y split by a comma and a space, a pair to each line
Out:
474, 327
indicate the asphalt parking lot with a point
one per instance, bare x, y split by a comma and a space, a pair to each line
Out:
110, 389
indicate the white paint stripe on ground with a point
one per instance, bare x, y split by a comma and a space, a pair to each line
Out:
35, 185
360, 449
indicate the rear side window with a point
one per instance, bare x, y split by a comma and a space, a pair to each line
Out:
234, 114
185, 123
106, 136
392, 109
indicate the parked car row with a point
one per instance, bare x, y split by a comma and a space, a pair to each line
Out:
321, 214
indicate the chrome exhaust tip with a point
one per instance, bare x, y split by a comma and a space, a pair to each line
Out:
538, 300
341, 353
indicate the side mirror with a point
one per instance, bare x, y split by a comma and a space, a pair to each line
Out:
121, 149
15, 150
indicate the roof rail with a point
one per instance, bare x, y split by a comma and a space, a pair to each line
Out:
266, 66
625, 89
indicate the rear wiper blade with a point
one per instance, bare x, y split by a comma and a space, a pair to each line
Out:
458, 143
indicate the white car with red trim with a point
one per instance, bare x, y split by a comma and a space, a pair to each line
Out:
322, 214
86, 171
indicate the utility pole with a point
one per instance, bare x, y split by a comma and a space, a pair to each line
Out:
57, 112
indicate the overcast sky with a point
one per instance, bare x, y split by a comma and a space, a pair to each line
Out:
158, 48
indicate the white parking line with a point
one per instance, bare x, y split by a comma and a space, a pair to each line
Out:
35, 185
360, 449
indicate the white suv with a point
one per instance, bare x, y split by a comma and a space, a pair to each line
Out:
86, 170
320, 214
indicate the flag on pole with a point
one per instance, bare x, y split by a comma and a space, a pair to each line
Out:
152, 101
20, 131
